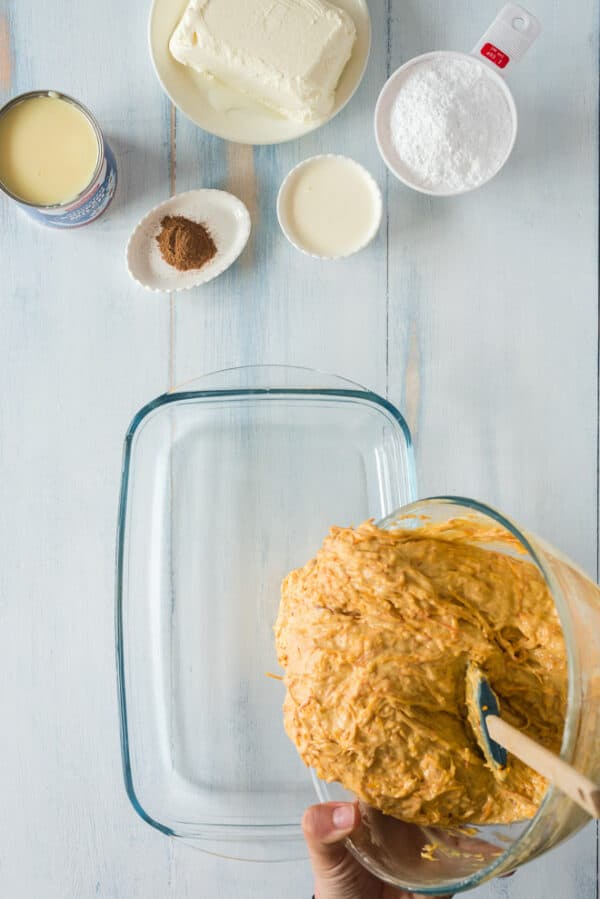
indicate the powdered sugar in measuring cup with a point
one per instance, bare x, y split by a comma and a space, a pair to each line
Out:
446, 122
452, 124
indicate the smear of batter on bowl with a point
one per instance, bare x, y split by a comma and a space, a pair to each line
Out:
375, 635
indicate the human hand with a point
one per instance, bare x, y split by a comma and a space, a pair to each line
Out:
337, 873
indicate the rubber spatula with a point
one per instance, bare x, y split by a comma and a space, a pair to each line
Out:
495, 736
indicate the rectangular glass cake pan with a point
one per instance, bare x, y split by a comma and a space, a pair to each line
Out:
227, 485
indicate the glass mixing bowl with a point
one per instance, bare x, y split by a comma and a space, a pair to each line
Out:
394, 851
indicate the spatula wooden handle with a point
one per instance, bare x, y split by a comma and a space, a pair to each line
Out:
576, 786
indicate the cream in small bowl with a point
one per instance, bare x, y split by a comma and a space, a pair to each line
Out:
329, 207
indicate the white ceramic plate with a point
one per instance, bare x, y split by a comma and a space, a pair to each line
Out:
224, 215
227, 113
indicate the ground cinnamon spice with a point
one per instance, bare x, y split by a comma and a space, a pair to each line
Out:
185, 244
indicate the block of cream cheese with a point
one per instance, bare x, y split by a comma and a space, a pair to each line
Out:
287, 54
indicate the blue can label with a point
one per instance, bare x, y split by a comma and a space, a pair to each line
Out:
87, 208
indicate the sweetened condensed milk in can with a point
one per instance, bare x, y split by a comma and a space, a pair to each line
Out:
54, 160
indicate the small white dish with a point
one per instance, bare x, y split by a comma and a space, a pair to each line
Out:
224, 215
227, 113
287, 214
383, 118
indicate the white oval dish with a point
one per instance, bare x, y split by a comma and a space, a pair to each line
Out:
227, 113
283, 204
225, 216
383, 114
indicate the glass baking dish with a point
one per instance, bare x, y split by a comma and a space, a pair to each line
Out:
228, 483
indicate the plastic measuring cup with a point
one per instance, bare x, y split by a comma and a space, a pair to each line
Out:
503, 44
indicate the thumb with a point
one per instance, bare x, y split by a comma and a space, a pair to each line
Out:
325, 827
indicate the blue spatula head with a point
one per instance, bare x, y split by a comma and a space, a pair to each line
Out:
482, 702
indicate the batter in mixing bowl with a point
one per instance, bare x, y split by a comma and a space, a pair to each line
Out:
375, 635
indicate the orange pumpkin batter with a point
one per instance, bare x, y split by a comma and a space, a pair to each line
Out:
375, 635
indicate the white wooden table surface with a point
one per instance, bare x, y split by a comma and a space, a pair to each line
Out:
478, 316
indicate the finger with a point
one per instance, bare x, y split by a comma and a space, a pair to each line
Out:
325, 827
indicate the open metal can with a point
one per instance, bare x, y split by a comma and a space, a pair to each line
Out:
94, 198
